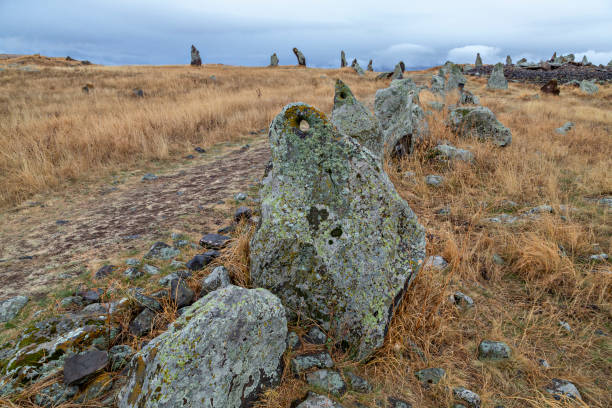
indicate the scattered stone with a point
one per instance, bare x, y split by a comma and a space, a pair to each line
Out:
398, 403
214, 241
180, 293
455, 78
497, 80
143, 323
163, 251
240, 197
199, 150
274, 60
565, 325
328, 380
305, 362
451, 152
293, 341
430, 375
438, 83
469, 397
166, 280
370, 68
358, 69
119, 356
54, 395
565, 128
10, 308
316, 336
468, 98
95, 309
493, 350
551, 87
198, 262
239, 333
342, 59
243, 213
71, 302
149, 177
462, 300
78, 368
300, 57
497, 259
132, 262
358, 383
599, 257
543, 363
146, 301
132, 273
446, 210
589, 87
139, 93
563, 388
309, 216
217, 279
104, 271
480, 122
196, 61
435, 262
503, 219
540, 209
478, 62
606, 201
433, 180
398, 72
314, 400
508, 60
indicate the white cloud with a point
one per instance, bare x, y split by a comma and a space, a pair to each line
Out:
467, 54
413, 55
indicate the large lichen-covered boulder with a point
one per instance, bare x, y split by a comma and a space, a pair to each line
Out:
353, 119
336, 242
401, 117
497, 80
480, 122
222, 352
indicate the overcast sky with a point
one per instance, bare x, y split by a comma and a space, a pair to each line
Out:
247, 32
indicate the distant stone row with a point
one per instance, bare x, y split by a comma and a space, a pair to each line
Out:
555, 61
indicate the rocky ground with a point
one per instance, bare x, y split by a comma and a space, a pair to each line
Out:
541, 75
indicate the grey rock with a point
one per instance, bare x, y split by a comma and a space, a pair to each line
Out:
328, 380
437, 106
145, 301
196, 60
451, 152
78, 368
433, 180
508, 60
217, 279
104, 271
314, 400
494, 350
55, 394
599, 257
358, 383
462, 300
119, 356
401, 117
606, 201
293, 341
149, 176
543, 363
225, 348
151, 270
305, 362
9, 308
95, 309
132, 273
198, 262
342, 59
398, 403
358, 69
316, 336
563, 388
565, 128
498, 259
455, 78
370, 68
328, 208
468, 98
240, 197
180, 293
503, 219
166, 280
588, 87
469, 397
71, 302
430, 375
243, 213
163, 251
214, 241
398, 72
565, 325
438, 83
274, 60
174, 264
143, 323
353, 119
480, 122
540, 209
497, 80
132, 262
435, 262
300, 57
478, 62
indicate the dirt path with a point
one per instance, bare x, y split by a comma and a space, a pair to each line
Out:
45, 243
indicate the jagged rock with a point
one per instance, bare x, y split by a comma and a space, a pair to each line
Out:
217, 279
610, 63
565, 326
242, 213
143, 323
225, 349
400, 116
551, 87
167, 280
479, 122
508, 60
342, 59
305, 362
104, 271
589, 87
163, 251
329, 380
69, 302
300, 57
468, 98
314, 400
462, 300
435, 262
181, 294
478, 62
430, 375
437, 84
150, 269
274, 60
469, 397
9, 308
445, 69
196, 61
354, 62
132, 273
497, 80
353, 119
433, 180
358, 383
328, 208
493, 350
119, 356
455, 78
398, 403
293, 341
565, 128
78, 368
316, 336
563, 388
554, 57
214, 241
358, 69
198, 262
370, 69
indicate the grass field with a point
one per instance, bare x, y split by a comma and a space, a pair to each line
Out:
524, 277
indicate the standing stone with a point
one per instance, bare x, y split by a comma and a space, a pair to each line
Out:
370, 69
402, 66
554, 57
353, 119
437, 84
354, 63
274, 60
221, 352
196, 61
610, 64
300, 57
401, 117
478, 62
336, 242
455, 78
508, 60
497, 80
480, 122
342, 59
358, 69
585, 61
397, 72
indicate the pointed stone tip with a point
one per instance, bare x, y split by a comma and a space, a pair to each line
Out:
343, 94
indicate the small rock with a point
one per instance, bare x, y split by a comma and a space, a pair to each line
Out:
565, 128
469, 397
304, 362
151, 270
78, 368
433, 180
163, 251
563, 388
398, 403
132, 262
540, 209
314, 400
543, 363
198, 262
316, 336
181, 294
450, 152
95, 309
119, 356
138, 93
10, 308
54, 395
145, 301
62, 222
214, 241
71, 302
149, 177
177, 264
435, 262
606, 201
493, 350
132, 273
358, 383
462, 300
565, 325
143, 323
91, 295
217, 279
104, 271
166, 280
328, 380
551, 87
444, 211
240, 197
199, 150
498, 259
293, 341
243, 213
430, 375
599, 257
